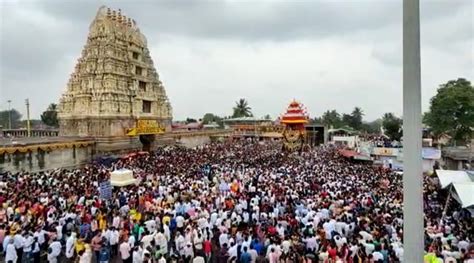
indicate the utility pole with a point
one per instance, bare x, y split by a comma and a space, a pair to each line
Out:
9, 114
28, 127
413, 229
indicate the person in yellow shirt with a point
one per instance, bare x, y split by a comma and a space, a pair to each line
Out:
166, 220
102, 222
80, 245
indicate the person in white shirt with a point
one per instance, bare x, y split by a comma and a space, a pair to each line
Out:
70, 246
10, 256
180, 243
146, 240
116, 221
137, 255
151, 225
199, 259
198, 240
40, 234
180, 222
223, 239
27, 246
85, 256
311, 244
125, 252
131, 241
54, 251
18, 241
377, 255
113, 241
161, 241
188, 252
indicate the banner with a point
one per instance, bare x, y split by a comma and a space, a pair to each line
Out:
385, 151
146, 127
105, 190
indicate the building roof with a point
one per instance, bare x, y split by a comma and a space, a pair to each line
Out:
463, 193
448, 177
342, 129
245, 119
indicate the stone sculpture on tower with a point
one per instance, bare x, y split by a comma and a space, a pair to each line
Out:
114, 83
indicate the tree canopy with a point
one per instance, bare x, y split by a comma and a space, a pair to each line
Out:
15, 118
392, 126
212, 118
331, 118
50, 116
242, 109
356, 118
452, 110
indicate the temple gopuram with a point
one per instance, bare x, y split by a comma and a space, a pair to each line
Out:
115, 90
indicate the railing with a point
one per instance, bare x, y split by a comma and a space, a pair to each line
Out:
34, 133
199, 133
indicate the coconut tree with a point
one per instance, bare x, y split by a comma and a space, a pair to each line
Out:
242, 109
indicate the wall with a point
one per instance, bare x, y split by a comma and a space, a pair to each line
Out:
193, 141
350, 141
41, 160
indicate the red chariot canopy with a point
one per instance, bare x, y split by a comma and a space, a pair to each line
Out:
295, 114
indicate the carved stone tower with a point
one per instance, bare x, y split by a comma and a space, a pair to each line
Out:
114, 83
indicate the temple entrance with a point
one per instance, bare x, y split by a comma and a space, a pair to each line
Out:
147, 141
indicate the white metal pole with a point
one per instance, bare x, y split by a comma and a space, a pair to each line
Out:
9, 114
413, 230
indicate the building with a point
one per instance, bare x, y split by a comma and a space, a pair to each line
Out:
459, 158
251, 127
317, 134
344, 137
114, 84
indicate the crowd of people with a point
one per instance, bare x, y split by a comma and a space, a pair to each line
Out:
224, 202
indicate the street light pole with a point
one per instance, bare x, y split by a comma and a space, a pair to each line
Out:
413, 230
28, 127
9, 114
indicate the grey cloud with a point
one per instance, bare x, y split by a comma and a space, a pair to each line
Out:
37, 56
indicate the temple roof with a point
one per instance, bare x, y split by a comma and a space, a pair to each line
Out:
295, 114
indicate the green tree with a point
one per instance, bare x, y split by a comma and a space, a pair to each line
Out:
211, 118
392, 126
267, 117
452, 110
356, 118
346, 120
242, 109
190, 120
5, 118
50, 116
331, 118
316, 120
372, 127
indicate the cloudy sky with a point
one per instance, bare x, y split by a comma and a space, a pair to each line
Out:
327, 54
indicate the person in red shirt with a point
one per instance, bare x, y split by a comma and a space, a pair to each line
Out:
332, 251
207, 246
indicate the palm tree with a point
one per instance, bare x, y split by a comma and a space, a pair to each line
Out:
356, 118
331, 118
242, 109
50, 116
